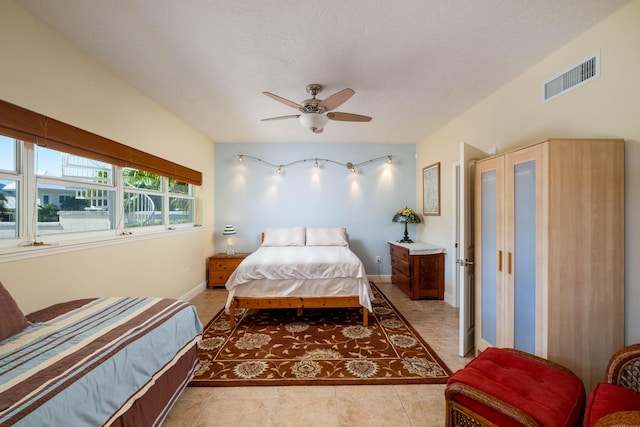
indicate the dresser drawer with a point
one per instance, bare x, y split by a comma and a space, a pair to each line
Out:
401, 265
400, 253
401, 280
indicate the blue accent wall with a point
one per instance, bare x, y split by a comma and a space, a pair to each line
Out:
251, 196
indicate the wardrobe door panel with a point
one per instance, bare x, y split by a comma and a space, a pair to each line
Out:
489, 219
524, 256
489, 260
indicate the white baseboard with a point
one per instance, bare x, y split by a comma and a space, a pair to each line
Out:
449, 299
193, 292
379, 278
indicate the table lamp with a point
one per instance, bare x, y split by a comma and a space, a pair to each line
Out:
229, 231
406, 216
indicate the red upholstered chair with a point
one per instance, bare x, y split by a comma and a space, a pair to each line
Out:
616, 402
507, 387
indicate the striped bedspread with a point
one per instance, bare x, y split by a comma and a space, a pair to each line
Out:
88, 366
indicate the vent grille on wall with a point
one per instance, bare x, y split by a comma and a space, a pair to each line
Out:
575, 77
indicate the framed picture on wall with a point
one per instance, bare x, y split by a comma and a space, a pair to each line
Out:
431, 189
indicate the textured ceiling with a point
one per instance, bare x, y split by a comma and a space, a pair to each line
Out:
414, 64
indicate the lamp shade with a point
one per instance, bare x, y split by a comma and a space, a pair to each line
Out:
228, 230
313, 121
407, 216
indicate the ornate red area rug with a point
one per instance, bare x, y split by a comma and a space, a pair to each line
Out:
322, 347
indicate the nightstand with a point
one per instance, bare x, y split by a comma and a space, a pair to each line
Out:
221, 266
418, 269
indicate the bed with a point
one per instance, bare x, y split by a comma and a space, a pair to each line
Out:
103, 361
298, 267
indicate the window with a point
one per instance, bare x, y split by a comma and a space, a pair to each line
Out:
181, 202
146, 194
62, 182
9, 188
84, 191
7, 154
61, 199
8, 209
142, 198
77, 196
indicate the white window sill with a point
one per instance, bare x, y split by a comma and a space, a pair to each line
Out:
17, 253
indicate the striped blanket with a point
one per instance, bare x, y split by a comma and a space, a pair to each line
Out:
88, 366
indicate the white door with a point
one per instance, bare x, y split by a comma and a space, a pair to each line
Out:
465, 285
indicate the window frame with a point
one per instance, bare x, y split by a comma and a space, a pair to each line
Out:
28, 243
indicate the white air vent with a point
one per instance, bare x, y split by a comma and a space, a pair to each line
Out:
573, 78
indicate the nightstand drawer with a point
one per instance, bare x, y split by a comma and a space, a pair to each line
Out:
219, 277
221, 266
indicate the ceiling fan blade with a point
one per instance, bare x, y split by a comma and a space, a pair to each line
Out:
284, 101
294, 116
348, 117
337, 99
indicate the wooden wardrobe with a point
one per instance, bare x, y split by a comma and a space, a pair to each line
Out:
549, 239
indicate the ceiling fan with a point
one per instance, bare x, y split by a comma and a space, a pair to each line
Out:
315, 113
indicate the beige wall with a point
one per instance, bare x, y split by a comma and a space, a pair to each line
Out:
515, 115
42, 72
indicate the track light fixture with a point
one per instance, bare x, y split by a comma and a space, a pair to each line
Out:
349, 165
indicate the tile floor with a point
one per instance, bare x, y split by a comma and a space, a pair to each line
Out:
329, 406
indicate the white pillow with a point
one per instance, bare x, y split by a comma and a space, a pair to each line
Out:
290, 236
327, 237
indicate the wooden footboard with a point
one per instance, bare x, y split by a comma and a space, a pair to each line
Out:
297, 302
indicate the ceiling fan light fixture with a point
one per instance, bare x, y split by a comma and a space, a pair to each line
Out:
315, 113
313, 121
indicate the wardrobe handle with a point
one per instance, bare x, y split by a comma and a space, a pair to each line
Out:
499, 260
508, 262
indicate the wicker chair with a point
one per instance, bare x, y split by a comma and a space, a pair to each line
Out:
623, 371
494, 411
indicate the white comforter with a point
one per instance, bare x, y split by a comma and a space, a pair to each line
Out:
301, 271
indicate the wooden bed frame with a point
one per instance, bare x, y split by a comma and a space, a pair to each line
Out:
298, 303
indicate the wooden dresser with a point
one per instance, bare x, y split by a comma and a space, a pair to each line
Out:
418, 269
221, 266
